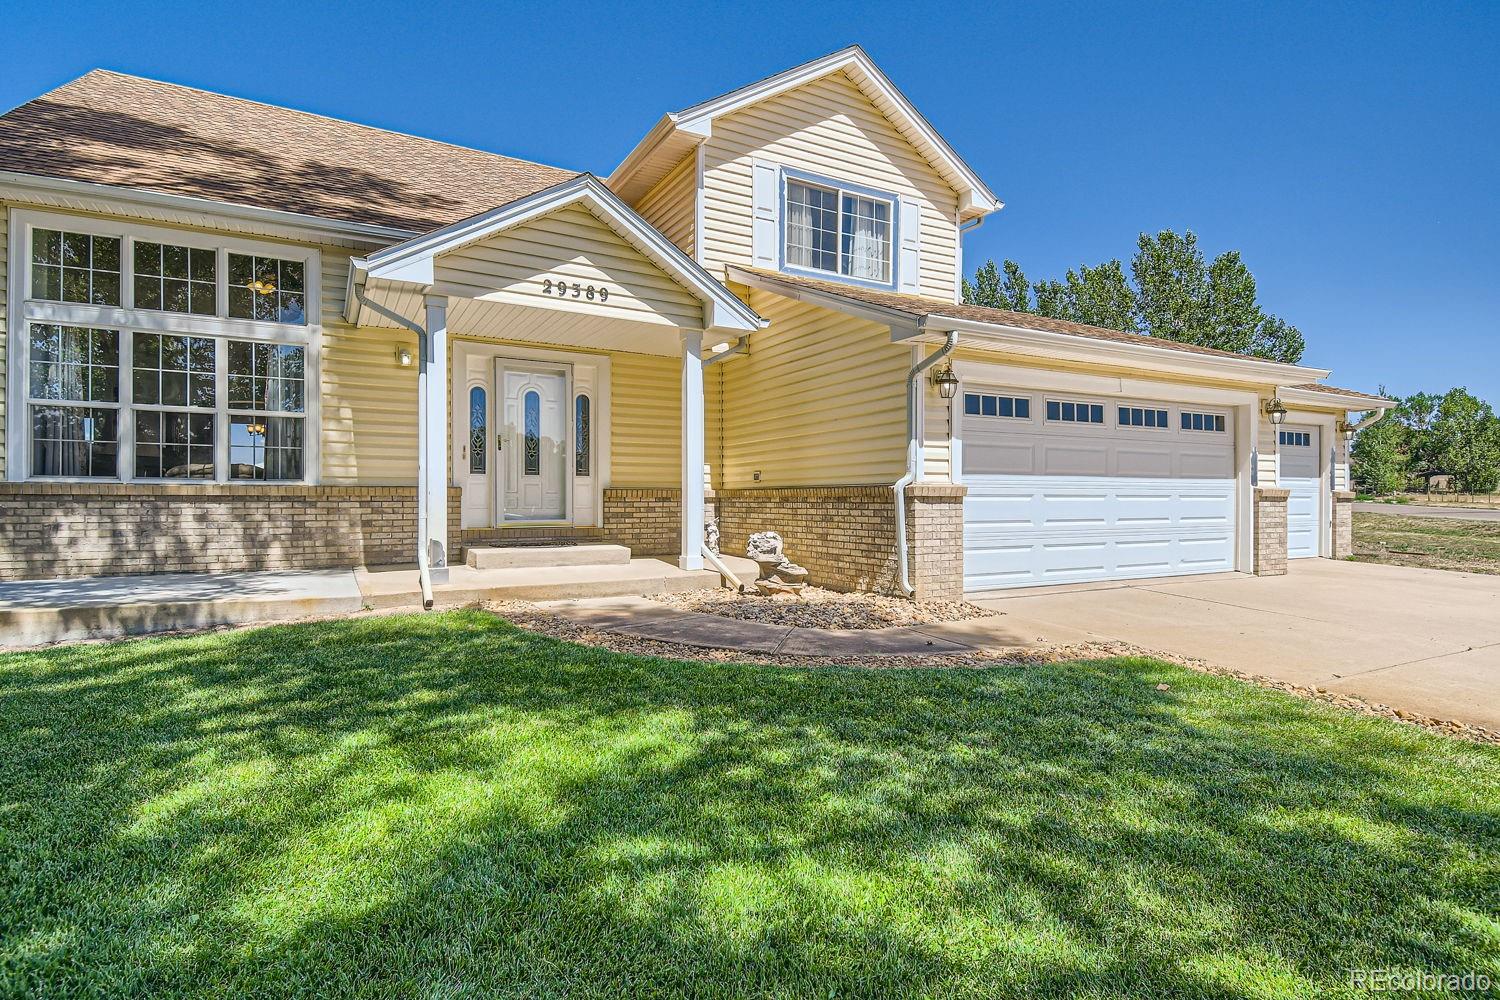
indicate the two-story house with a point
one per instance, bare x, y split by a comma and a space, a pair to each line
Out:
243, 337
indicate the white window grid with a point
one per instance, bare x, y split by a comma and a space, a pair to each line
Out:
829, 247
127, 319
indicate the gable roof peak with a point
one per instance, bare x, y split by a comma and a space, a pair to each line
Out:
669, 140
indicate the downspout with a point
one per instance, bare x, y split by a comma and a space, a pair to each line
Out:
740, 346
1374, 416
424, 571
912, 449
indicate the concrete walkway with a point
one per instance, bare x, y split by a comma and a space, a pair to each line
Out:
1419, 510
1420, 639
33, 612
646, 619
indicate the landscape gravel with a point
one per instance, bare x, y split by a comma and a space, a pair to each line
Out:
819, 608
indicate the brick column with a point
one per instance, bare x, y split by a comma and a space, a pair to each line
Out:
1343, 524
1270, 531
935, 540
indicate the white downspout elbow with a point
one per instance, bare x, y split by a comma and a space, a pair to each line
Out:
912, 450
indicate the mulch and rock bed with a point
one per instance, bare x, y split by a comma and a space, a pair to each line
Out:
534, 619
819, 608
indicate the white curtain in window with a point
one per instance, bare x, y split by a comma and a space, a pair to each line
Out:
868, 231
799, 225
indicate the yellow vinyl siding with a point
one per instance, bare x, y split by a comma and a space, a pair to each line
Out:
827, 127
4, 319
645, 420
937, 458
573, 245
1267, 448
670, 206
816, 402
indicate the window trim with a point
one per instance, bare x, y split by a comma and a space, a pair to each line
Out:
22, 311
839, 188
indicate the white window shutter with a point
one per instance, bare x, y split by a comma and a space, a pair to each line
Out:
909, 261
763, 215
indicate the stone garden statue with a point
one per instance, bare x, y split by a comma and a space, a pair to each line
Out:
778, 574
711, 536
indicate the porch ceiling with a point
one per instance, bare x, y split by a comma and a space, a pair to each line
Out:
553, 323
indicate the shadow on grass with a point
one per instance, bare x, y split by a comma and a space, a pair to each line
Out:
446, 806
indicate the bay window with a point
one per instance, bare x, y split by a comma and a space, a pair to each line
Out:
155, 355
835, 229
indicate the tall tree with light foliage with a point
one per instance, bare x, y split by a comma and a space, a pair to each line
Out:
1172, 293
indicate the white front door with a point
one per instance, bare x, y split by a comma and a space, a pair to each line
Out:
535, 442
1300, 453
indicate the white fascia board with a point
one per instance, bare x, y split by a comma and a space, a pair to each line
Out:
903, 325
301, 225
1145, 356
412, 261
1291, 395
697, 121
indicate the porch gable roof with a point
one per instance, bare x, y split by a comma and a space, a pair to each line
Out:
412, 261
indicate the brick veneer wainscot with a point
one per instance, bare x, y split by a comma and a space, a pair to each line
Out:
646, 519
846, 535
1343, 524
1270, 530
102, 529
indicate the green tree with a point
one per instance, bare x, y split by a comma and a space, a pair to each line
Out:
1417, 412
1172, 292
1466, 437
1381, 456
1100, 296
997, 290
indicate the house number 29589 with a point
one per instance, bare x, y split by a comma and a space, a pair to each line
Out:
563, 290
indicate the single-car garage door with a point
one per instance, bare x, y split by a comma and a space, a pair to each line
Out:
1064, 488
1300, 449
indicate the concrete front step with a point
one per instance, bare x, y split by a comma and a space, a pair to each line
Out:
398, 587
540, 556
35, 612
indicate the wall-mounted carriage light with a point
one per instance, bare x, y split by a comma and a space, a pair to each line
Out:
1347, 429
946, 381
403, 357
1275, 410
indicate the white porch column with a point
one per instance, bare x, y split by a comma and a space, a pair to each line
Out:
434, 478
692, 451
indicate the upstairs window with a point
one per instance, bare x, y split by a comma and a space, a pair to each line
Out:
834, 230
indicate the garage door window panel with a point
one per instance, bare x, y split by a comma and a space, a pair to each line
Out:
1074, 412
1212, 423
987, 405
1143, 416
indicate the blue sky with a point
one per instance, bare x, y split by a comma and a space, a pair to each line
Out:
1352, 152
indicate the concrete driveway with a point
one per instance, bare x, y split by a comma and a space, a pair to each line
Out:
1424, 640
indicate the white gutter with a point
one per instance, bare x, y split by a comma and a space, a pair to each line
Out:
363, 231
424, 570
912, 451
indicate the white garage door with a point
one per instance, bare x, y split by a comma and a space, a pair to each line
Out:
1300, 450
1065, 489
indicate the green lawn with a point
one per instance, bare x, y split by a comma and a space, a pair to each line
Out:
444, 806
1431, 542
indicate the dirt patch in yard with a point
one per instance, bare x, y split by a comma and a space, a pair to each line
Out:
1427, 542
819, 608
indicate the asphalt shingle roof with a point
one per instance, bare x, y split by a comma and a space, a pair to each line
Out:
125, 131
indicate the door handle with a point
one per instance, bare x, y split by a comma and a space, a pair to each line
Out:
499, 442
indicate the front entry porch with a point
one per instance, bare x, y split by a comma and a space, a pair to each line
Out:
527, 319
